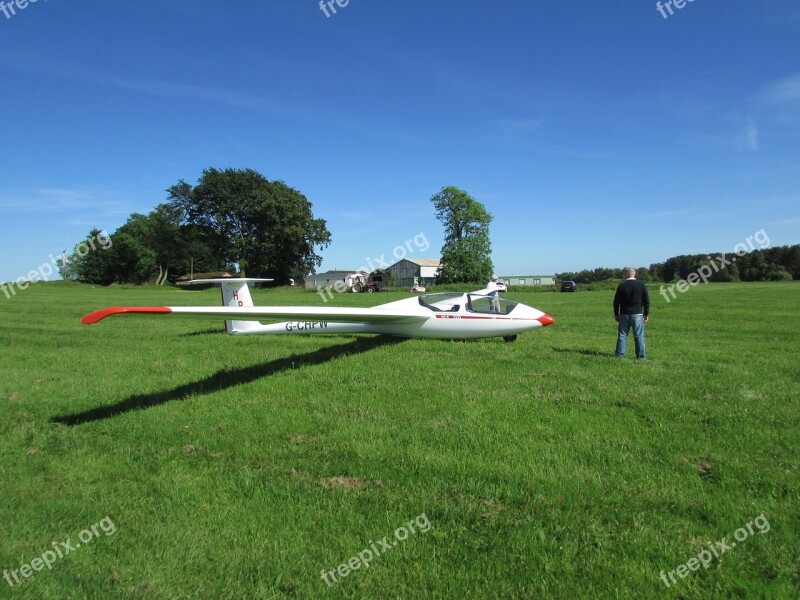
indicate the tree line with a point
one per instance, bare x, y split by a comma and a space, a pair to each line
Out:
232, 220
780, 263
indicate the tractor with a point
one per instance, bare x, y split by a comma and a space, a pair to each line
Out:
374, 282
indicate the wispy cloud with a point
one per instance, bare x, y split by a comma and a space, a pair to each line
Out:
672, 213
514, 129
188, 91
233, 98
400, 212
354, 215
779, 102
751, 135
95, 201
786, 222
783, 91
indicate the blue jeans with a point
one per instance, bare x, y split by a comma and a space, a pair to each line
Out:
625, 324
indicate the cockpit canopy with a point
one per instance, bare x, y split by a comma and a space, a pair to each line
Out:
489, 305
474, 303
442, 302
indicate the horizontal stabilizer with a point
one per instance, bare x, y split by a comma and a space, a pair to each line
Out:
227, 280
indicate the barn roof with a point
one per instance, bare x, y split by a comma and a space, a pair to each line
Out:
426, 262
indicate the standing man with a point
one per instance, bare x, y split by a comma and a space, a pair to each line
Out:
494, 294
631, 309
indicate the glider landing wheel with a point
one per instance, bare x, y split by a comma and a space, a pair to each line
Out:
509, 338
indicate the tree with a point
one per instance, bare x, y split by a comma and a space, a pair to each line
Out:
137, 253
92, 261
657, 271
133, 261
466, 253
66, 268
164, 235
156, 247
199, 254
643, 274
266, 228
792, 261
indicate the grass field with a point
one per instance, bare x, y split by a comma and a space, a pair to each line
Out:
222, 467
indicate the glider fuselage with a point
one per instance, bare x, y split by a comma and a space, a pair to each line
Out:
449, 316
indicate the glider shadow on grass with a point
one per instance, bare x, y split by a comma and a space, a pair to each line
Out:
222, 380
584, 352
209, 331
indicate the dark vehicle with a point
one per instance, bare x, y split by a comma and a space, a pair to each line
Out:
569, 286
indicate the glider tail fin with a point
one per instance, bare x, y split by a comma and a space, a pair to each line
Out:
235, 293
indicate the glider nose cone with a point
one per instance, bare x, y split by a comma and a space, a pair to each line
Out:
546, 320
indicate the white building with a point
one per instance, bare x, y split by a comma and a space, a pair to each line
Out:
328, 279
528, 279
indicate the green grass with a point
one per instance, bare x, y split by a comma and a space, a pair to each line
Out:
243, 467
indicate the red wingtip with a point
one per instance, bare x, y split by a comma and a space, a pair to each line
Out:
546, 320
99, 315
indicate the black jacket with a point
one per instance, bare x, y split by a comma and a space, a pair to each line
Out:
631, 298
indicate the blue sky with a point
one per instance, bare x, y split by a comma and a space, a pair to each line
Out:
596, 133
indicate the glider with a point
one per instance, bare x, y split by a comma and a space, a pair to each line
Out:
448, 315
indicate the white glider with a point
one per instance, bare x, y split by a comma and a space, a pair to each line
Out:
449, 315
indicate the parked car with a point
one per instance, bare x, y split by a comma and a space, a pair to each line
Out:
501, 287
569, 286
418, 288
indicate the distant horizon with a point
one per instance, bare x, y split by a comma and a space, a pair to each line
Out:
496, 272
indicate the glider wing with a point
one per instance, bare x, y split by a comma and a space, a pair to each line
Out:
269, 313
